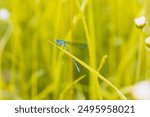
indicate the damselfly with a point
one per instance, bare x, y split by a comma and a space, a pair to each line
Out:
64, 44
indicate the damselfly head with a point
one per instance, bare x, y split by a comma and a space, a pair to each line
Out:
56, 41
60, 42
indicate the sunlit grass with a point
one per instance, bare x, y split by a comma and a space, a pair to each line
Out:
92, 70
33, 68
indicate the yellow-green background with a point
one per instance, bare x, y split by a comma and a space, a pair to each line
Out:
33, 68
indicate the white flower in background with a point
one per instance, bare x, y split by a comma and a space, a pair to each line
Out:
4, 14
140, 22
141, 90
147, 42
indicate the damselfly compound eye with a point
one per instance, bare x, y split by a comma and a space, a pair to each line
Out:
140, 22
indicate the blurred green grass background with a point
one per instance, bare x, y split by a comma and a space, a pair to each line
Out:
32, 68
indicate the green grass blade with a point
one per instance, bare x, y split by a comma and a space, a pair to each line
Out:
92, 70
69, 86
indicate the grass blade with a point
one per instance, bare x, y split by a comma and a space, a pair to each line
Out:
92, 70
